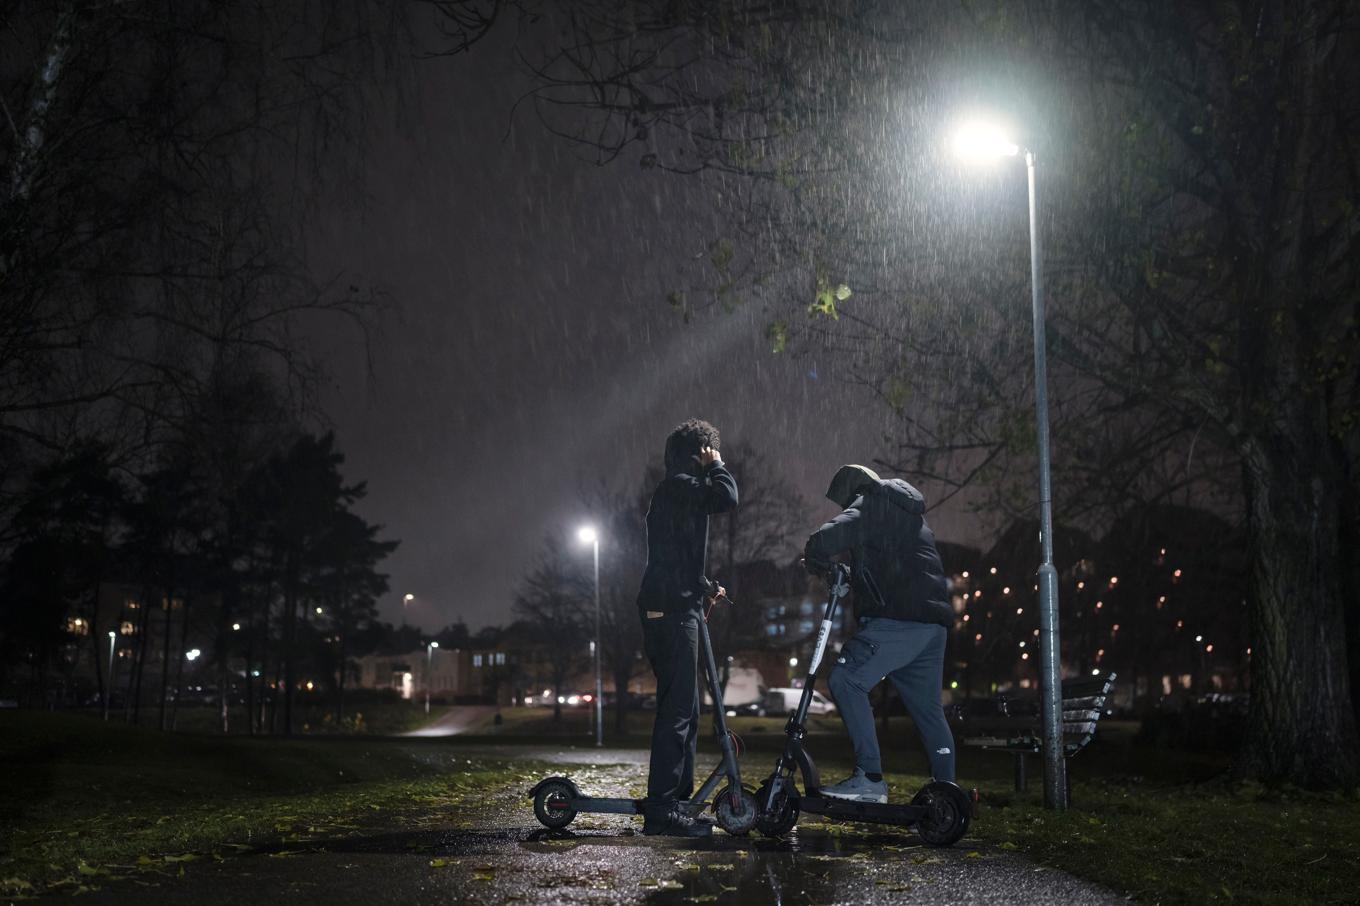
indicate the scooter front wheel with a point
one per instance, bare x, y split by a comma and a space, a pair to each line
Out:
949, 811
552, 802
736, 812
780, 818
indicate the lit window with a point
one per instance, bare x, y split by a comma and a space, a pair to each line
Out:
500, 657
476, 660
126, 628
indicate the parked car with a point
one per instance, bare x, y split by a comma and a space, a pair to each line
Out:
785, 701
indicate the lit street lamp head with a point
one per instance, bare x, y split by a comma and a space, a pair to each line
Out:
981, 141
587, 534
434, 644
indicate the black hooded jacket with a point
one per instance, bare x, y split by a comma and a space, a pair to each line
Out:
896, 568
677, 537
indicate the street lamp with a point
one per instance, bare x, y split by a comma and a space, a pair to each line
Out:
429, 671
406, 599
588, 535
108, 689
984, 141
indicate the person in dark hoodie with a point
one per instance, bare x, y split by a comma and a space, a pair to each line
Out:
902, 605
670, 604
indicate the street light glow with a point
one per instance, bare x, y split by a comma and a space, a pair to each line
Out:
434, 644
983, 141
587, 534
192, 654
408, 599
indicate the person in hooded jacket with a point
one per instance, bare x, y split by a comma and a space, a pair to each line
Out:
670, 603
902, 605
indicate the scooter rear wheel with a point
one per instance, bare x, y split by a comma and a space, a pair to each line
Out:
552, 803
737, 819
949, 811
781, 818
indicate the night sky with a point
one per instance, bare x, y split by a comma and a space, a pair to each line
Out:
530, 350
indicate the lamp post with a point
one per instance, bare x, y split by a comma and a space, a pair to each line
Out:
981, 142
406, 599
429, 672
588, 535
108, 688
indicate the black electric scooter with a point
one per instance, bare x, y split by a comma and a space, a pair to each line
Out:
557, 800
940, 812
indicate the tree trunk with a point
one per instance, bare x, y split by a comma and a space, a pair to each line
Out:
179, 662
165, 661
621, 678
1350, 580
290, 600
134, 706
95, 646
1301, 726
340, 687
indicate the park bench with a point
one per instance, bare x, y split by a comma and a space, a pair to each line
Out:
1083, 704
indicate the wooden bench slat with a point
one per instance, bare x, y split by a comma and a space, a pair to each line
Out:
1093, 686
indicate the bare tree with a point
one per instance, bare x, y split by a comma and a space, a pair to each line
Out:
551, 601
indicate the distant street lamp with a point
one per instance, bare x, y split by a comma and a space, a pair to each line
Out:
981, 141
588, 535
429, 672
406, 599
108, 689
192, 654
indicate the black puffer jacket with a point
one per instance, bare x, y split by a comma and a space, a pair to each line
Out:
896, 568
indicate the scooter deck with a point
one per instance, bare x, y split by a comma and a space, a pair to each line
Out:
875, 812
605, 806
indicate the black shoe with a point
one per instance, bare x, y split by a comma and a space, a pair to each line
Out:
677, 823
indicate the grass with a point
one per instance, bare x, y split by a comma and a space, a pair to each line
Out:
82, 801
372, 715
1156, 824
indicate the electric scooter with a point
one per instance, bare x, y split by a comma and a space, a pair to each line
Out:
940, 812
557, 800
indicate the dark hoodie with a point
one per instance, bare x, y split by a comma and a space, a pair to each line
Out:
896, 568
677, 535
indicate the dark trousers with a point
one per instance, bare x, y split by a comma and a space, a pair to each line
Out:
672, 645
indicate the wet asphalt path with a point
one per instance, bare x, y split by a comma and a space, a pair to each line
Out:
501, 855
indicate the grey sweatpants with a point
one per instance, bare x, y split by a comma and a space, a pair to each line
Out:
912, 656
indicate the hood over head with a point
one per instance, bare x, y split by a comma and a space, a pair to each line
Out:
850, 482
902, 495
